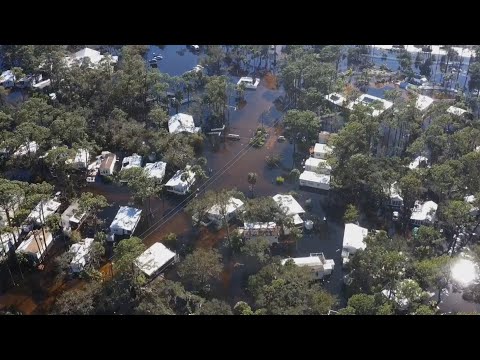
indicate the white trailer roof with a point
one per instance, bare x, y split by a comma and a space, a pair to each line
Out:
177, 178
132, 161
126, 218
314, 163
36, 247
423, 102
322, 148
24, 149
425, 211
315, 177
80, 251
154, 258
456, 111
289, 204
182, 123
156, 170
232, 206
416, 163
49, 207
354, 236
336, 98
367, 100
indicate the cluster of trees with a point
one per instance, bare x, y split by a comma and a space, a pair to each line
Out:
308, 74
17, 199
275, 289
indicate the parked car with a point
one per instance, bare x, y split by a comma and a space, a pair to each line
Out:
281, 138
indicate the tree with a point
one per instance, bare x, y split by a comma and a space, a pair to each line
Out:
363, 304
221, 200
158, 118
258, 250
12, 194
295, 175
200, 268
474, 71
427, 242
78, 302
411, 187
301, 126
252, 180
214, 307
125, 254
424, 310
262, 209
216, 96
75, 236
143, 187
351, 214
167, 297
288, 290
53, 223
170, 240
433, 273
92, 204
455, 216
60, 169
443, 180
242, 308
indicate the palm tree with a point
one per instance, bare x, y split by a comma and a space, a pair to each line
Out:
252, 180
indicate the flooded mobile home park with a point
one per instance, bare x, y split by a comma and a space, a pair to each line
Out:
229, 161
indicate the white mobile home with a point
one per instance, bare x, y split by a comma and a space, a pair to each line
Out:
7, 241
40, 213
107, 165
81, 254
323, 137
131, 161
415, 164
7, 79
423, 102
30, 148
93, 56
34, 246
249, 82
180, 122
369, 100
320, 165
456, 111
320, 151
81, 159
288, 204
155, 260
353, 240
396, 199
336, 99
233, 207
423, 213
267, 230
125, 221
315, 180
156, 170
316, 262
179, 186
72, 217
470, 199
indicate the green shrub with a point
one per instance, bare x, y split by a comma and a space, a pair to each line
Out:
280, 180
